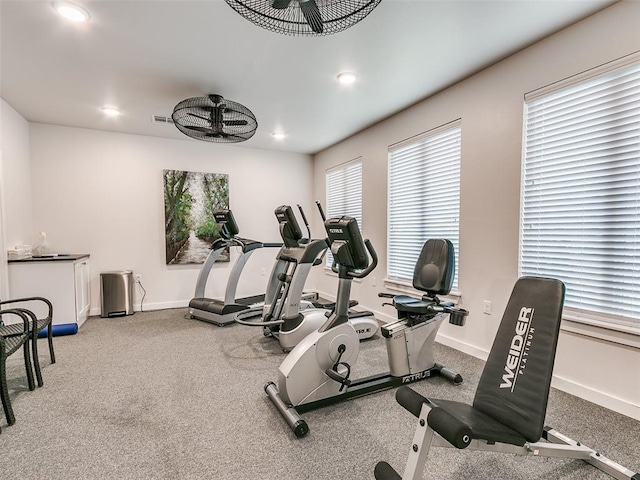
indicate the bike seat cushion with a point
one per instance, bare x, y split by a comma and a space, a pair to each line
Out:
405, 303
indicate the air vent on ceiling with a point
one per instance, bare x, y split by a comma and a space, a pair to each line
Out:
161, 119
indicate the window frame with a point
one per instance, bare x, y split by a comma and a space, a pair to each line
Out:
580, 320
401, 284
343, 167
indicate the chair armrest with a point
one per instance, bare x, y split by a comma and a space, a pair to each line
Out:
34, 319
31, 299
22, 315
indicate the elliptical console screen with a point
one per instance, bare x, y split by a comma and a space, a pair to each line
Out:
347, 245
289, 227
226, 223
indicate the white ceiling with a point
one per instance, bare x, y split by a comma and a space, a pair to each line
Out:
145, 56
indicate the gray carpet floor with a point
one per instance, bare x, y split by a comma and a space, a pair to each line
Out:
159, 396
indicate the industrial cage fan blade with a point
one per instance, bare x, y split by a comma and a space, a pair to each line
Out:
198, 116
280, 4
312, 15
235, 123
196, 128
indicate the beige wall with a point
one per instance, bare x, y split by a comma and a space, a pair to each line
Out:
101, 193
490, 105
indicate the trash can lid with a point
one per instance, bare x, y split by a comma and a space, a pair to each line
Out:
118, 272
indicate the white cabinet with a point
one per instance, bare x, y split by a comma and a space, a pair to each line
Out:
63, 280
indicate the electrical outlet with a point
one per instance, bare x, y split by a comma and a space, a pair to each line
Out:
486, 307
138, 277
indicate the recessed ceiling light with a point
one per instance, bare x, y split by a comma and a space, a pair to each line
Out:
347, 78
71, 11
110, 111
278, 135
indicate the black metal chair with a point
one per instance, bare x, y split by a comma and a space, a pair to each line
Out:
38, 324
12, 337
509, 408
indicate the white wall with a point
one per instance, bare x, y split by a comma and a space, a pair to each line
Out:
15, 187
490, 105
102, 193
16, 177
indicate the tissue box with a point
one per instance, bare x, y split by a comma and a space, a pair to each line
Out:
21, 251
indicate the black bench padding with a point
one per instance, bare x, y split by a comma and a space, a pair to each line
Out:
482, 426
514, 386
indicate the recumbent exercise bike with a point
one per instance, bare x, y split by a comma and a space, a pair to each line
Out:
317, 372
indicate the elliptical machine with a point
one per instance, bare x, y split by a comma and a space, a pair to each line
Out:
221, 312
317, 372
285, 315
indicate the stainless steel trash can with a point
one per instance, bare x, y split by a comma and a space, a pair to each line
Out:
116, 293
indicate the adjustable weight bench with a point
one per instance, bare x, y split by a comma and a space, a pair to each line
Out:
510, 403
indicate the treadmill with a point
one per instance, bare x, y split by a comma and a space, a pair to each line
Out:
221, 312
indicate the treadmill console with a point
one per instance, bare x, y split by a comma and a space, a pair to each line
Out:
347, 246
226, 223
289, 227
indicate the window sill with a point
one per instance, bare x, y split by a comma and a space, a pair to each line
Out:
602, 330
406, 288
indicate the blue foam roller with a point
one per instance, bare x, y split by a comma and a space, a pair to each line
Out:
60, 329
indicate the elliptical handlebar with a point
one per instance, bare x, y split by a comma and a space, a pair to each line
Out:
372, 265
304, 219
319, 205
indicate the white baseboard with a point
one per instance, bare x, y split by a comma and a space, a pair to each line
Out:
462, 346
149, 306
599, 398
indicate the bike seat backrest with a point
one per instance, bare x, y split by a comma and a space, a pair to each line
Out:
289, 227
347, 245
226, 223
514, 385
435, 267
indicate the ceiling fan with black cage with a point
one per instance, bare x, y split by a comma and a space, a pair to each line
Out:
304, 17
214, 119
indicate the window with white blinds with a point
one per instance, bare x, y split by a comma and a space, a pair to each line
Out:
344, 194
423, 197
580, 208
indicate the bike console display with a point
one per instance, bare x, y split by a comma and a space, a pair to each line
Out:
347, 246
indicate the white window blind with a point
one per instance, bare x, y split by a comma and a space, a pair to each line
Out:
423, 197
344, 193
580, 208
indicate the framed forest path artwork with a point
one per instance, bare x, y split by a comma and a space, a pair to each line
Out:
190, 198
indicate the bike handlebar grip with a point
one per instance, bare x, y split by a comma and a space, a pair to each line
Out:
410, 399
385, 295
453, 430
384, 471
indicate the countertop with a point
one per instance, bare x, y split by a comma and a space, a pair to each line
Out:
54, 257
